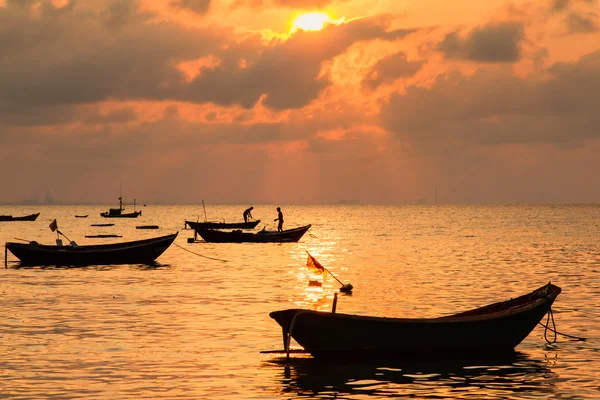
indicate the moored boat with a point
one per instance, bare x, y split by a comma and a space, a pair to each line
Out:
135, 252
118, 212
30, 217
264, 236
222, 225
491, 329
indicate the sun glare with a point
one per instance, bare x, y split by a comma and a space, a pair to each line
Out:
312, 21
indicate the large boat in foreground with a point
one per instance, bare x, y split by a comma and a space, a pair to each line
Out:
490, 330
136, 252
264, 236
7, 218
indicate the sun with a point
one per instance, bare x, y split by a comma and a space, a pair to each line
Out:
312, 21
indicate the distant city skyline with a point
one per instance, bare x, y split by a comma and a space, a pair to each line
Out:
287, 102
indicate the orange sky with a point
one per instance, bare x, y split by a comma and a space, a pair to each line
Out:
179, 101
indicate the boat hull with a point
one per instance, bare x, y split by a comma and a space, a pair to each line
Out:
134, 214
217, 236
136, 252
492, 329
222, 225
8, 218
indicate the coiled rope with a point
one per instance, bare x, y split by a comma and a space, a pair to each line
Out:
550, 317
199, 255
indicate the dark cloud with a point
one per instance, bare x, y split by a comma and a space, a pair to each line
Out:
498, 108
197, 6
285, 72
493, 43
581, 23
390, 68
119, 53
561, 5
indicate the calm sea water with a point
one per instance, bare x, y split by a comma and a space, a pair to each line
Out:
193, 327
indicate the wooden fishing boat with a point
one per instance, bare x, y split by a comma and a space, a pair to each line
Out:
264, 236
492, 329
81, 216
136, 252
222, 225
102, 225
118, 212
7, 218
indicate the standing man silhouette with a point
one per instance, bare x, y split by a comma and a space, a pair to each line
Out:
248, 214
280, 219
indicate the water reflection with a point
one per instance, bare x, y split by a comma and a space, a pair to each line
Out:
506, 377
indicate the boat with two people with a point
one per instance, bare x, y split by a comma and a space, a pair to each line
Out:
118, 212
493, 329
263, 236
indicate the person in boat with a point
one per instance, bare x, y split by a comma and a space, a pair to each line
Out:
248, 214
280, 219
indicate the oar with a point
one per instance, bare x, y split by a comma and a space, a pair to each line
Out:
24, 240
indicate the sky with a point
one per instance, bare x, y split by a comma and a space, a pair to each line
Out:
388, 102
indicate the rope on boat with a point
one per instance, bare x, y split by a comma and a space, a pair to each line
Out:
200, 255
553, 329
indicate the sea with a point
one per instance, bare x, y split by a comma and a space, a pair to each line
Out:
196, 324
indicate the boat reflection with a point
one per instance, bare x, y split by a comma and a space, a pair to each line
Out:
499, 377
148, 266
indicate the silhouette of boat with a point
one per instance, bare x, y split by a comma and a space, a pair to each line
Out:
102, 224
222, 225
264, 236
136, 252
146, 227
81, 216
493, 329
118, 212
7, 218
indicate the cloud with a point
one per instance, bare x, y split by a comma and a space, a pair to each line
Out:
561, 5
492, 43
197, 6
581, 23
390, 68
494, 107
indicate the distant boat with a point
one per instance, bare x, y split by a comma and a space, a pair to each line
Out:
31, 217
118, 212
146, 227
81, 216
136, 252
103, 236
102, 224
264, 236
492, 329
222, 225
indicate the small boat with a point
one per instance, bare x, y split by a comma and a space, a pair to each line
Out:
102, 224
492, 329
7, 218
118, 212
81, 216
136, 252
146, 227
264, 236
222, 225
102, 236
